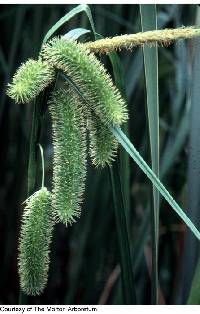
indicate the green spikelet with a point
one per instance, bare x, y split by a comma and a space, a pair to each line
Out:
35, 238
69, 162
30, 79
103, 145
90, 76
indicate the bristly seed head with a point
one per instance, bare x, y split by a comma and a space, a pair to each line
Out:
103, 145
90, 76
69, 159
35, 239
30, 79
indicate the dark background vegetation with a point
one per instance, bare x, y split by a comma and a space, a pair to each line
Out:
84, 265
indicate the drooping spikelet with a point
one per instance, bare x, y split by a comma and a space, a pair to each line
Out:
30, 79
87, 72
103, 145
69, 160
35, 239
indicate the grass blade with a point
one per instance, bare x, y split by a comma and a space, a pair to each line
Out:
124, 158
194, 297
149, 22
35, 130
80, 8
124, 250
76, 33
128, 146
126, 263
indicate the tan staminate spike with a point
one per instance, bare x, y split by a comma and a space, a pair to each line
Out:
163, 37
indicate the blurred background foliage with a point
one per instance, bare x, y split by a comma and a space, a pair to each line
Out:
84, 265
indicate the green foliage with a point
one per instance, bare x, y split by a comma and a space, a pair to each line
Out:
35, 239
30, 79
194, 296
103, 259
103, 145
82, 8
148, 16
69, 162
129, 147
90, 76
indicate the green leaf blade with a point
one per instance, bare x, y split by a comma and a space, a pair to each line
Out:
149, 22
125, 257
78, 9
128, 146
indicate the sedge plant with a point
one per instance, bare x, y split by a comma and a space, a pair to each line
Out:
99, 109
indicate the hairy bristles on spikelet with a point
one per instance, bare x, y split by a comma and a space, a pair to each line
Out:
35, 239
30, 79
69, 159
103, 145
90, 76
163, 37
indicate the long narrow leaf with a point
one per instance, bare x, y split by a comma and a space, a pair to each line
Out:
80, 8
128, 146
76, 33
125, 258
124, 158
149, 22
123, 186
194, 296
